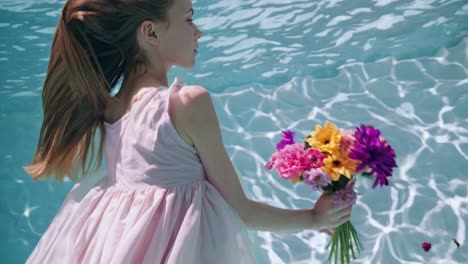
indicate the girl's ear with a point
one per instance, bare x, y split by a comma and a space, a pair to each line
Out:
148, 33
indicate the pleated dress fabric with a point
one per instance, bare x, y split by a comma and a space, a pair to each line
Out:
152, 204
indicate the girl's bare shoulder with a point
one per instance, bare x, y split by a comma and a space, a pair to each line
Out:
188, 103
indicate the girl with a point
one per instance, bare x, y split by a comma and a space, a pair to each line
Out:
170, 193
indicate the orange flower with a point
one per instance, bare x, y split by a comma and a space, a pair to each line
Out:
326, 139
339, 163
296, 179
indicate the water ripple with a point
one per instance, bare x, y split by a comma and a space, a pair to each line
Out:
414, 104
273, 65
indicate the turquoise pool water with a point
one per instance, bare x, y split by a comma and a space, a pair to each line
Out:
270, 65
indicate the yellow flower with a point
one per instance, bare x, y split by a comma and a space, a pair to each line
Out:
339, 163
326, 139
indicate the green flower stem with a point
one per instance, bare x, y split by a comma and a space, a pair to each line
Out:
333, 245
348, 241
356, 238
350, 232
344, 243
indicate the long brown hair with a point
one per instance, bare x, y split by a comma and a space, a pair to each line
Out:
94, 46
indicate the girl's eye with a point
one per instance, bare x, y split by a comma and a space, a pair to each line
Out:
190, 21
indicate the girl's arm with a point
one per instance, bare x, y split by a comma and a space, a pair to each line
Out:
195, 116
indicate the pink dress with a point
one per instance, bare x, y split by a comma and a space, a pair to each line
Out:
153, 204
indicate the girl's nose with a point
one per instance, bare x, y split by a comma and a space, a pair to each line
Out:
198, 33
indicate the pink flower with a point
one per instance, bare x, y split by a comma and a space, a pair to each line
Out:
426, 246
316, 179
293, 160
314, 158
347, 140
271, 163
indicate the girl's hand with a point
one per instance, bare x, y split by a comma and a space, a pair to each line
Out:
328, 215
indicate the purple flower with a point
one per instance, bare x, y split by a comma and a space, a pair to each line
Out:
316, 179
346, 196
287, 139
373, 152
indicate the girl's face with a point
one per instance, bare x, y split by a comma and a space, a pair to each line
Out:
178, 44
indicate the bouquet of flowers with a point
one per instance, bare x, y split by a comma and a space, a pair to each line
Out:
327, 160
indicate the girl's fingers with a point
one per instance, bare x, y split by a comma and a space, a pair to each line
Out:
344, 208
345, 212
343, 220
339, 207
346, 216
